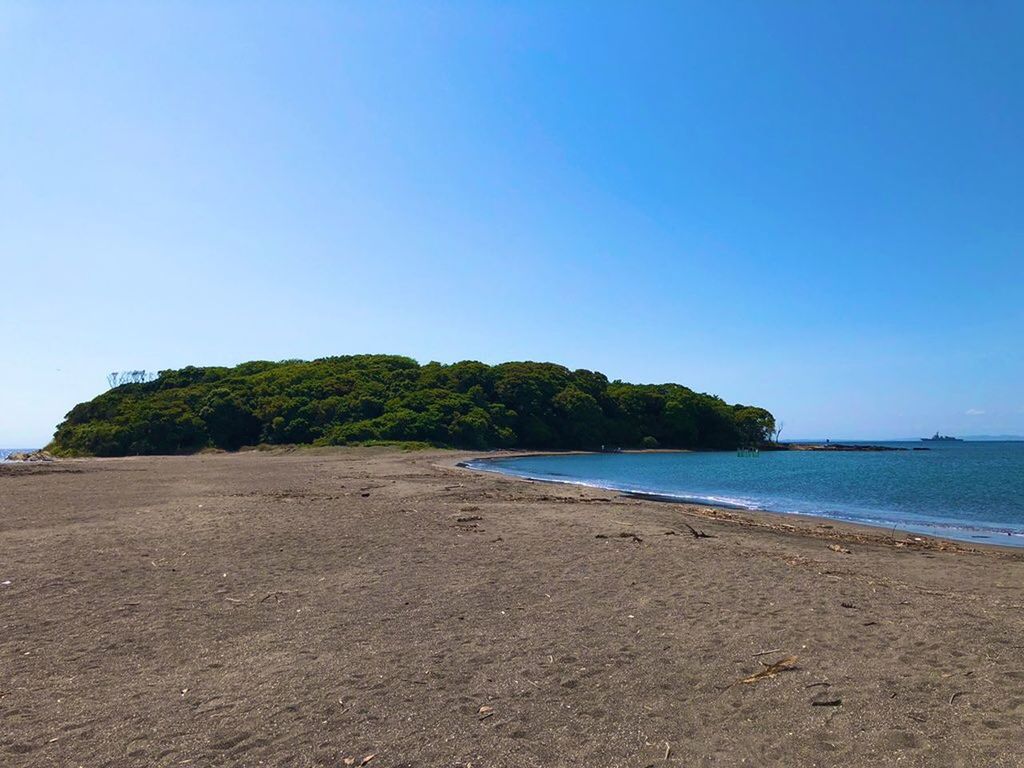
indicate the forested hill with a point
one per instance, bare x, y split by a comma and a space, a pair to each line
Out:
366, 398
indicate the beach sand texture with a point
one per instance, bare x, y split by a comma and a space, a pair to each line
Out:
318, 607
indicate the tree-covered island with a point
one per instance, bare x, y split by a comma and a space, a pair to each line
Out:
364, 399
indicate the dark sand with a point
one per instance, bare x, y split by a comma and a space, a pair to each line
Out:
307, 608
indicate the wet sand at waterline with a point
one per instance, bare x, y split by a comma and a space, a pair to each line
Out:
319, 608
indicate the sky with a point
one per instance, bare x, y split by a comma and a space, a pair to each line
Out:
813, 207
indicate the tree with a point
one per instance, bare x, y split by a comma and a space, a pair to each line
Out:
581, 420
118, 378
228, 422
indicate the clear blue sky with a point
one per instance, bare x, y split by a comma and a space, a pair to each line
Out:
816, 207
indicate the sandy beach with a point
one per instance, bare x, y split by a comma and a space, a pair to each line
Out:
386, 608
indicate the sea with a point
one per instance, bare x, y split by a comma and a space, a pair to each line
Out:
972, 491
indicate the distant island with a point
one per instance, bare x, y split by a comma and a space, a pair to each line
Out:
368, 399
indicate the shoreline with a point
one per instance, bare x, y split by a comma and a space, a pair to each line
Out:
911, 537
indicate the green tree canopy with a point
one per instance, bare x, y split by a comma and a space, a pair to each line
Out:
362, 398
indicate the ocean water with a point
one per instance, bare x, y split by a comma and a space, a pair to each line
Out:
969, 490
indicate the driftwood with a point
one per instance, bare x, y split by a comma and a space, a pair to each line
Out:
698, 534
826, 702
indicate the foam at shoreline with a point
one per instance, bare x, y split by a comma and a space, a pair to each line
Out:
959, 530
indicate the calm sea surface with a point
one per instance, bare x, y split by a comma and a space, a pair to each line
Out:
969, 490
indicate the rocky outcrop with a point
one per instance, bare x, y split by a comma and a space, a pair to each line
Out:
33, 456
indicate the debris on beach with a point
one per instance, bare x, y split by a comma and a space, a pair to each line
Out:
469, 528
826, 700
842, 550
698, 534
364, 761
484, 712
771, 670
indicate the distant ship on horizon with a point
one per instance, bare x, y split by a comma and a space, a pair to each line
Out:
941, 438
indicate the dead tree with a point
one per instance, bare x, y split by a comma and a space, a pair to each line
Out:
117, 378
